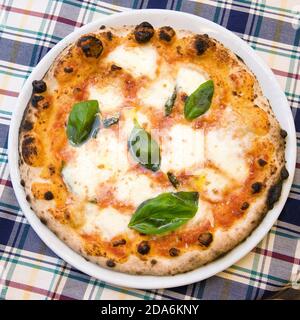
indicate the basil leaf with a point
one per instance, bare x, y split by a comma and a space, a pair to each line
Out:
172, 178
164, 213
199, 101
143, 148
170, 103
110, 121
81, 120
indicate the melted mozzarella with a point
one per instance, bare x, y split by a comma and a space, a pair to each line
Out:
182, 148
139, 61
157, 94
110, 98
189, 79
108, 222
135, 188
227, 153
95, 162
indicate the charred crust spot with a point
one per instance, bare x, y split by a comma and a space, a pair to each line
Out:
201, 43
153, 262
205, 239
143, 248
245, 206
174, 252
45, 105
274, 194
28, 198
262, 162
28, 149
68, 69
27, 125
109, 35
178, 50
102, 27
48, 195
91, 46
110, 263
283, 133
22, 183
44, 221
36, 99
143, 32
119, 242
39, 86
284, 174
166, 33
115, 67
256, 187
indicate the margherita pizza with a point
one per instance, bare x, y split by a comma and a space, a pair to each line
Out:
150, 151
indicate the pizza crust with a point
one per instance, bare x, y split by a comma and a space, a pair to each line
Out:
224, 240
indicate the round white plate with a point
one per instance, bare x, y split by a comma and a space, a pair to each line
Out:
271, 90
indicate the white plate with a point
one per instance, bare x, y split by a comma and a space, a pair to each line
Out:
271, 90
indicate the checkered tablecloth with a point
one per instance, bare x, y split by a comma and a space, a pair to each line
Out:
30, 270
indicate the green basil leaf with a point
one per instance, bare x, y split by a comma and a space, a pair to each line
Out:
143, 148
164, 213
170, 103
81, 120
199, 101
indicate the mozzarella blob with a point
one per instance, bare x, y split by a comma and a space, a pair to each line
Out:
190, 78
110, 98
139, 61
108, 222
182, 148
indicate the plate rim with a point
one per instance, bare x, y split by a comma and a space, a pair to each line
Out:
144, 281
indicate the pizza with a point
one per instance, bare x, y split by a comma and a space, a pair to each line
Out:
150, 150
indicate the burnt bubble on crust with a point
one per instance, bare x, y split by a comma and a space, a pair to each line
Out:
283, 133
201, 43
68, 69
143, 32
36, 99
119, 242
143, 247
274, 194
39, 86
166, 33
109, 35
174, 252
29, 149
48, 195
205, 239
27, 125
256, 187
275, 191
110, 263
262, 162
284, 174
245, 206
91, 46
